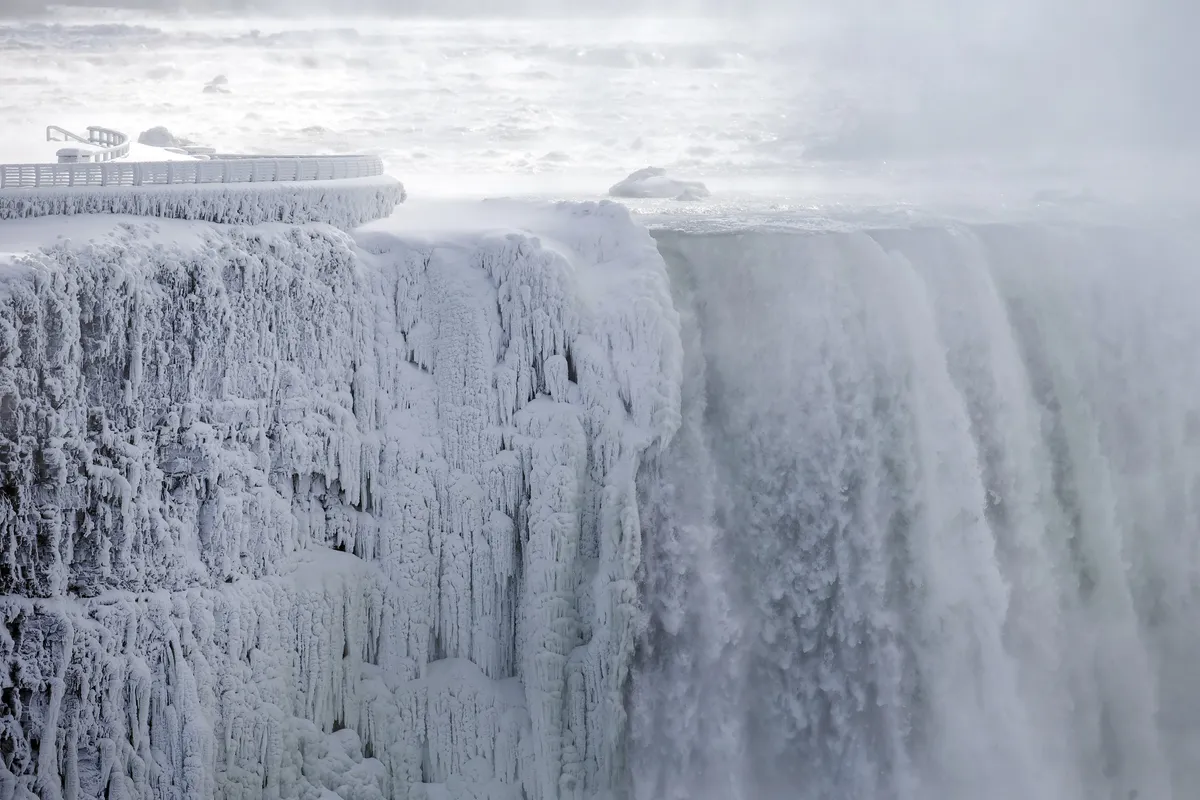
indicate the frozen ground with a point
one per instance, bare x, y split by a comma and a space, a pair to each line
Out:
776, 126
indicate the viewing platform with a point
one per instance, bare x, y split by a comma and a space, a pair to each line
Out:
104, 172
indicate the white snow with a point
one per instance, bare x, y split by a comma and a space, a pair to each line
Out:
654, 182
145, 152
296, 514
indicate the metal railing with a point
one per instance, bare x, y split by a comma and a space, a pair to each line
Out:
112, 144
217, 169
66, 135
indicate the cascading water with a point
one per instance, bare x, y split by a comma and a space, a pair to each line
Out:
931, 527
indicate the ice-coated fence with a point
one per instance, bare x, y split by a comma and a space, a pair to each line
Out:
222, 188
217, 169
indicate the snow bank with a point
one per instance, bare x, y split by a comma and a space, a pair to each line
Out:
344, 203
654, 182
287, 515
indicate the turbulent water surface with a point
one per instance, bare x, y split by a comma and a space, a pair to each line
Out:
930, 526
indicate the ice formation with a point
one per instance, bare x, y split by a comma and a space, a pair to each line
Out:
160, 136
343, 203
290, 514
654, 182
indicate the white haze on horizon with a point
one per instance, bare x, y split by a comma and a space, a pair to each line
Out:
957, 74
942, 90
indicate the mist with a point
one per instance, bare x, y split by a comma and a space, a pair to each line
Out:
926, 78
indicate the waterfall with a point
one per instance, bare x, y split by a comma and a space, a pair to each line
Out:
931, 525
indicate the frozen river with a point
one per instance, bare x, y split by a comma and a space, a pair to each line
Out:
813, 114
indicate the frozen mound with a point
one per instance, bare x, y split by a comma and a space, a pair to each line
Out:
159, 136
654, 182
293, 514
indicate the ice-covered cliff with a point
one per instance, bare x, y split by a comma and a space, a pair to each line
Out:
291, 514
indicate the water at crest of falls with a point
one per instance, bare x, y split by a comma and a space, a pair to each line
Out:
929, 528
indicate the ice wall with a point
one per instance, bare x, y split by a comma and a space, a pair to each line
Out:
289, 515
342, 203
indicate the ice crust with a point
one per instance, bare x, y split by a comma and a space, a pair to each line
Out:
288, 514
344, 204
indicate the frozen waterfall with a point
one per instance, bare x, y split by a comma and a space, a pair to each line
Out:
288, 514
527, 505
931, 526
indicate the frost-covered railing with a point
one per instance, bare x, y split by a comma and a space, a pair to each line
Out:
217, 169
113, 144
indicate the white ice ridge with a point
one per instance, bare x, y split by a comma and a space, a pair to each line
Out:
291, 514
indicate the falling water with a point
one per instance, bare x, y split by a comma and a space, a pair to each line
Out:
931, 528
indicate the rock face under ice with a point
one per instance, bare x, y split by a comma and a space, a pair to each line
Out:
654, 182
284, 515
344, 204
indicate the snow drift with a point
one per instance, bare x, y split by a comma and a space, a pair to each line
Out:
290, 515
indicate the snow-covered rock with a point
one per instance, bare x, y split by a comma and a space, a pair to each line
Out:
654, 182
343, 203
292, 514
159, 136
